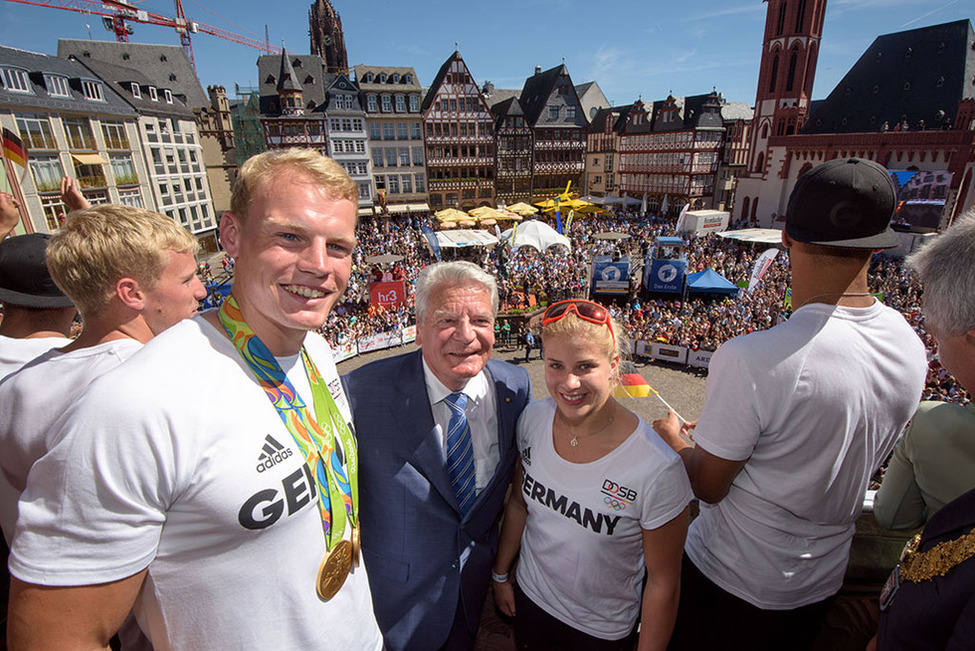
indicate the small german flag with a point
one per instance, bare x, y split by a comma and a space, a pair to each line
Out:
13, 148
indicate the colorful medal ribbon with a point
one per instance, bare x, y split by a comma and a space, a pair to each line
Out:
315, 437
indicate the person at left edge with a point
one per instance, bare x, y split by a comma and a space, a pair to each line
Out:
180, 490
429, 547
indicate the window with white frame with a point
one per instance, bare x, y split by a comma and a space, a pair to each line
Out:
78, 131
136, 91
391, 157
53, 210
407, 184
404, 156
400, 104
377, 157
15, 80
47, 172
365, 191
346, 124
360, 146
92, 90
414, 104
115, 136
168, 95
357, 124
36, 132
393, 185
131, 197
420, 183
57, 86
123, 169
387, 104
371, 103
415, 132
153, 94
333, 124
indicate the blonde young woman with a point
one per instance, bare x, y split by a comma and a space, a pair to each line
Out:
600, 498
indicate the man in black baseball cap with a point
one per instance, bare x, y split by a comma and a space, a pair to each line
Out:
796, 421
37, 316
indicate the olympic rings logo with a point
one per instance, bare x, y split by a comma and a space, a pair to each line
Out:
614, 503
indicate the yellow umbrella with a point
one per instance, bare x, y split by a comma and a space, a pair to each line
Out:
482, 211
451, 215
522, 208
564, 206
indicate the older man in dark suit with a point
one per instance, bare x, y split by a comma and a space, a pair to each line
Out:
436, 446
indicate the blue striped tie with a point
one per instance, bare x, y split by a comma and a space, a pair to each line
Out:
460, 452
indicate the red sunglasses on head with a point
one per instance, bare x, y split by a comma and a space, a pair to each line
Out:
585, 310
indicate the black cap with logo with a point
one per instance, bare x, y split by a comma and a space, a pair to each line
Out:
846, 203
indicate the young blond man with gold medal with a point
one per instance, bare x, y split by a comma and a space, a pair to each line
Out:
212, 479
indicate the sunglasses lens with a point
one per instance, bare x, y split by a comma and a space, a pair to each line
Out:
590, 311
556, 311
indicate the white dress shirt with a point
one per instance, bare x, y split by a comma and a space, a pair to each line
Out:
481, 416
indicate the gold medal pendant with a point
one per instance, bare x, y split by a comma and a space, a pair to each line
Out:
334, 569
356, 546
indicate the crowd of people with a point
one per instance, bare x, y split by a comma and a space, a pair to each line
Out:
528, 279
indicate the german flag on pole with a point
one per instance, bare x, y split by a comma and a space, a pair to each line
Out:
13, 148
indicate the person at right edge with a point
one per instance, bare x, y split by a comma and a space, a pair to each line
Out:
929, 600
796, 421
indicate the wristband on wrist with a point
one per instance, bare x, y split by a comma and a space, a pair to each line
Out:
499, 578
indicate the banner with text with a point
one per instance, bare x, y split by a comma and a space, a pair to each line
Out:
388, 294
667, 276
610, 276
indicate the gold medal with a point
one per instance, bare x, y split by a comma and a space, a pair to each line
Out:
356, 546
334, 568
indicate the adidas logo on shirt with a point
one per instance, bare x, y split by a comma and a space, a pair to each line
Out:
272, 454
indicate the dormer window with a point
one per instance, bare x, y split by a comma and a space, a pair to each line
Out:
153, 94
15, 80
92, 90
395, 79
57, 86
168, 94
407, 79
136, 91
369, 77
382, 78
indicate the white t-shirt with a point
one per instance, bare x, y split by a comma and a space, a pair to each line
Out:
14, 353
32, 400
177, 461
582, 549
815, 405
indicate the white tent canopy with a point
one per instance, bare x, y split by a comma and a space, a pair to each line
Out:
535, 234
460, 238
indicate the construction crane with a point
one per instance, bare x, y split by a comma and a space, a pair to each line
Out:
117, 14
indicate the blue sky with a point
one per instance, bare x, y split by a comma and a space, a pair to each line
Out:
632, 49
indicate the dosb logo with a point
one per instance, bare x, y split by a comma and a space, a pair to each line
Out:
613, 489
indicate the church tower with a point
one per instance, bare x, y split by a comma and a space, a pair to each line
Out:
790, 48
327, 40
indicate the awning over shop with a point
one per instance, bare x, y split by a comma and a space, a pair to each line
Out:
399, 208
463, 238
89, 159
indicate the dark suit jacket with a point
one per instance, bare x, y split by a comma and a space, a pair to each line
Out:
938, 613
412, 530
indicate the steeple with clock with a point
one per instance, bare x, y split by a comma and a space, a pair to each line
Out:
327, 40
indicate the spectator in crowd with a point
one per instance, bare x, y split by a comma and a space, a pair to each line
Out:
796, 421
935, 460
929, 601
37, 316
437, 451
579, 576
179, 495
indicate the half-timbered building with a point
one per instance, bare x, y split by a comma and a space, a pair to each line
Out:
459, 138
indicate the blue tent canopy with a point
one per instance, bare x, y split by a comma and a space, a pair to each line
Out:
710, 282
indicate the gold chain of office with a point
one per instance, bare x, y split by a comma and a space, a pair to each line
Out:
939, 560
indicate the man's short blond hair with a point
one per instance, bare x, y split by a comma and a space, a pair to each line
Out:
322, 170
98, 246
